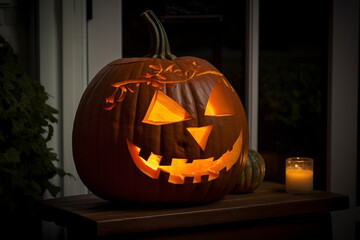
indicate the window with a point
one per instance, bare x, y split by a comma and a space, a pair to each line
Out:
210, 30
293, 77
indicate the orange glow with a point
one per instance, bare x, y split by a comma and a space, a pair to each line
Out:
164, 110
201, 134
219, 103
180, 169
157, 76
149, 167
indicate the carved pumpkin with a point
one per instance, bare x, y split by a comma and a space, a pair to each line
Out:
160, 129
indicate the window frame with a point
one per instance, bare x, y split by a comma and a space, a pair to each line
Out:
343, 91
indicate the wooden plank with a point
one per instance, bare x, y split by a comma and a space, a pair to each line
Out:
309, 227
108, 218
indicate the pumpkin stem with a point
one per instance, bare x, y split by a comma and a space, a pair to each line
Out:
159, 46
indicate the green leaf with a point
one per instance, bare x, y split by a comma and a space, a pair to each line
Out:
26, 163
12, 156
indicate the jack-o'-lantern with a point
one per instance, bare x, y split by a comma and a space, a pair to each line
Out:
160, 129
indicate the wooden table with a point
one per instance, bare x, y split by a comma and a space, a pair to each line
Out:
269, 213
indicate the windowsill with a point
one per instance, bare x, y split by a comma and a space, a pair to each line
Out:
105, 218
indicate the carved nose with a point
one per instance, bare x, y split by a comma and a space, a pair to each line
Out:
201, 134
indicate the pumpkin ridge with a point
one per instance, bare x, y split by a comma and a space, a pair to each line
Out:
128, 61
100, 136
253, 174
256, 169
180, 91
199, 113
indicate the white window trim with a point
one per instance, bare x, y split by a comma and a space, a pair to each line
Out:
63, 69
343, 94
252, 70
50, 71
62, 65
104, 43
342, 117
74, 82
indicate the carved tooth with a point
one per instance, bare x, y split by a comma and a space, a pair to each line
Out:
154, 161
176, 179
189, 180
144, 153
204, 178
212, 175
197, 179
163, 176
222, 171
190, 160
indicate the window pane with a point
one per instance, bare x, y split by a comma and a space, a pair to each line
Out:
293, 66
211, 30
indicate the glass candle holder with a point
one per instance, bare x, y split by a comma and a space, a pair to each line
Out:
299, 175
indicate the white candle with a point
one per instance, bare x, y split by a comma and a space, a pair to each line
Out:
299, 175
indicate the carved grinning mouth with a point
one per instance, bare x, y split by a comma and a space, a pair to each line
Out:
180, 169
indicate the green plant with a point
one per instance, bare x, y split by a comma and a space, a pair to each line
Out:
26, 163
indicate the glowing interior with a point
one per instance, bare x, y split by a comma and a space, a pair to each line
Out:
164, 110
219, 103
201, 134
180, 169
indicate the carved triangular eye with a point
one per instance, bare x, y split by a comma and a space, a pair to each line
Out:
219, 103
164, 110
